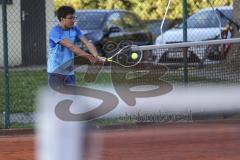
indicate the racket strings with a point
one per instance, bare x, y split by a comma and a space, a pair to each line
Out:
123, 57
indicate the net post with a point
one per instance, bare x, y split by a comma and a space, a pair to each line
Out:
185, 50
5, 62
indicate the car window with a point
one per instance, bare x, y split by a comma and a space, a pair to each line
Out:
90, 20
155, 26
227, 13
130, 21
114, 20
207, 19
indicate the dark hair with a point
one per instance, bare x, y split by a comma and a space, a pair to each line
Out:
63, 11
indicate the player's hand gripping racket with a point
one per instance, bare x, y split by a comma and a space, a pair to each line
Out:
126, 57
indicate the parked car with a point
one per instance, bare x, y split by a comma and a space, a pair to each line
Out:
202, 25
111, 29
154, 26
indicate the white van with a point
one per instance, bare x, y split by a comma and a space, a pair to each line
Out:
202, 25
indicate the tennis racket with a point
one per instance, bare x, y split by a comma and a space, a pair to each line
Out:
126, 57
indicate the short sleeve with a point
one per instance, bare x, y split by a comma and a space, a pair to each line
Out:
55, 35
79, 32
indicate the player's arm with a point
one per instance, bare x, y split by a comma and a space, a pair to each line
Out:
89, 45
92, 49
77, 51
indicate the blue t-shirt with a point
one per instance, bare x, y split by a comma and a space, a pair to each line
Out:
60, 58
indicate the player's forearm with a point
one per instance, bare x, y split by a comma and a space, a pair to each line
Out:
92, 49
90, 46
79, 52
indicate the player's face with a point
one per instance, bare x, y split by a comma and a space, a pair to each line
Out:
69, 20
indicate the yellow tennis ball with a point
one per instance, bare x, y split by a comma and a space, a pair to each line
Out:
134, 55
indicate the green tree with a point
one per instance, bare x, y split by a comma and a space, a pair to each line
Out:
58, 3
146, 9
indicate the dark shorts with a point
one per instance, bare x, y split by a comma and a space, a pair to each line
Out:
58, 79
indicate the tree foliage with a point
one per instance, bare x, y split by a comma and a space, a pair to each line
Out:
146, 9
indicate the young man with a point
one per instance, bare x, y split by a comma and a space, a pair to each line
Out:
62, 38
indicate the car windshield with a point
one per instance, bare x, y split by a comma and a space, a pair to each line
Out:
90, 20
207, 19
155, 26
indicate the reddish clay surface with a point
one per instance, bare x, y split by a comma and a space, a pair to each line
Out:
182, 141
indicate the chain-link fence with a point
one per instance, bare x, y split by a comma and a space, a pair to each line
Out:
28, 25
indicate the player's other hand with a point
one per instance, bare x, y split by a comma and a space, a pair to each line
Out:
97, 59
102, 59
93, 59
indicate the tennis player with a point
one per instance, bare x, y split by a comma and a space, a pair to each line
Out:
62, 39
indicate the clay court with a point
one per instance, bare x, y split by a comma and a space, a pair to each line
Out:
169, 141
